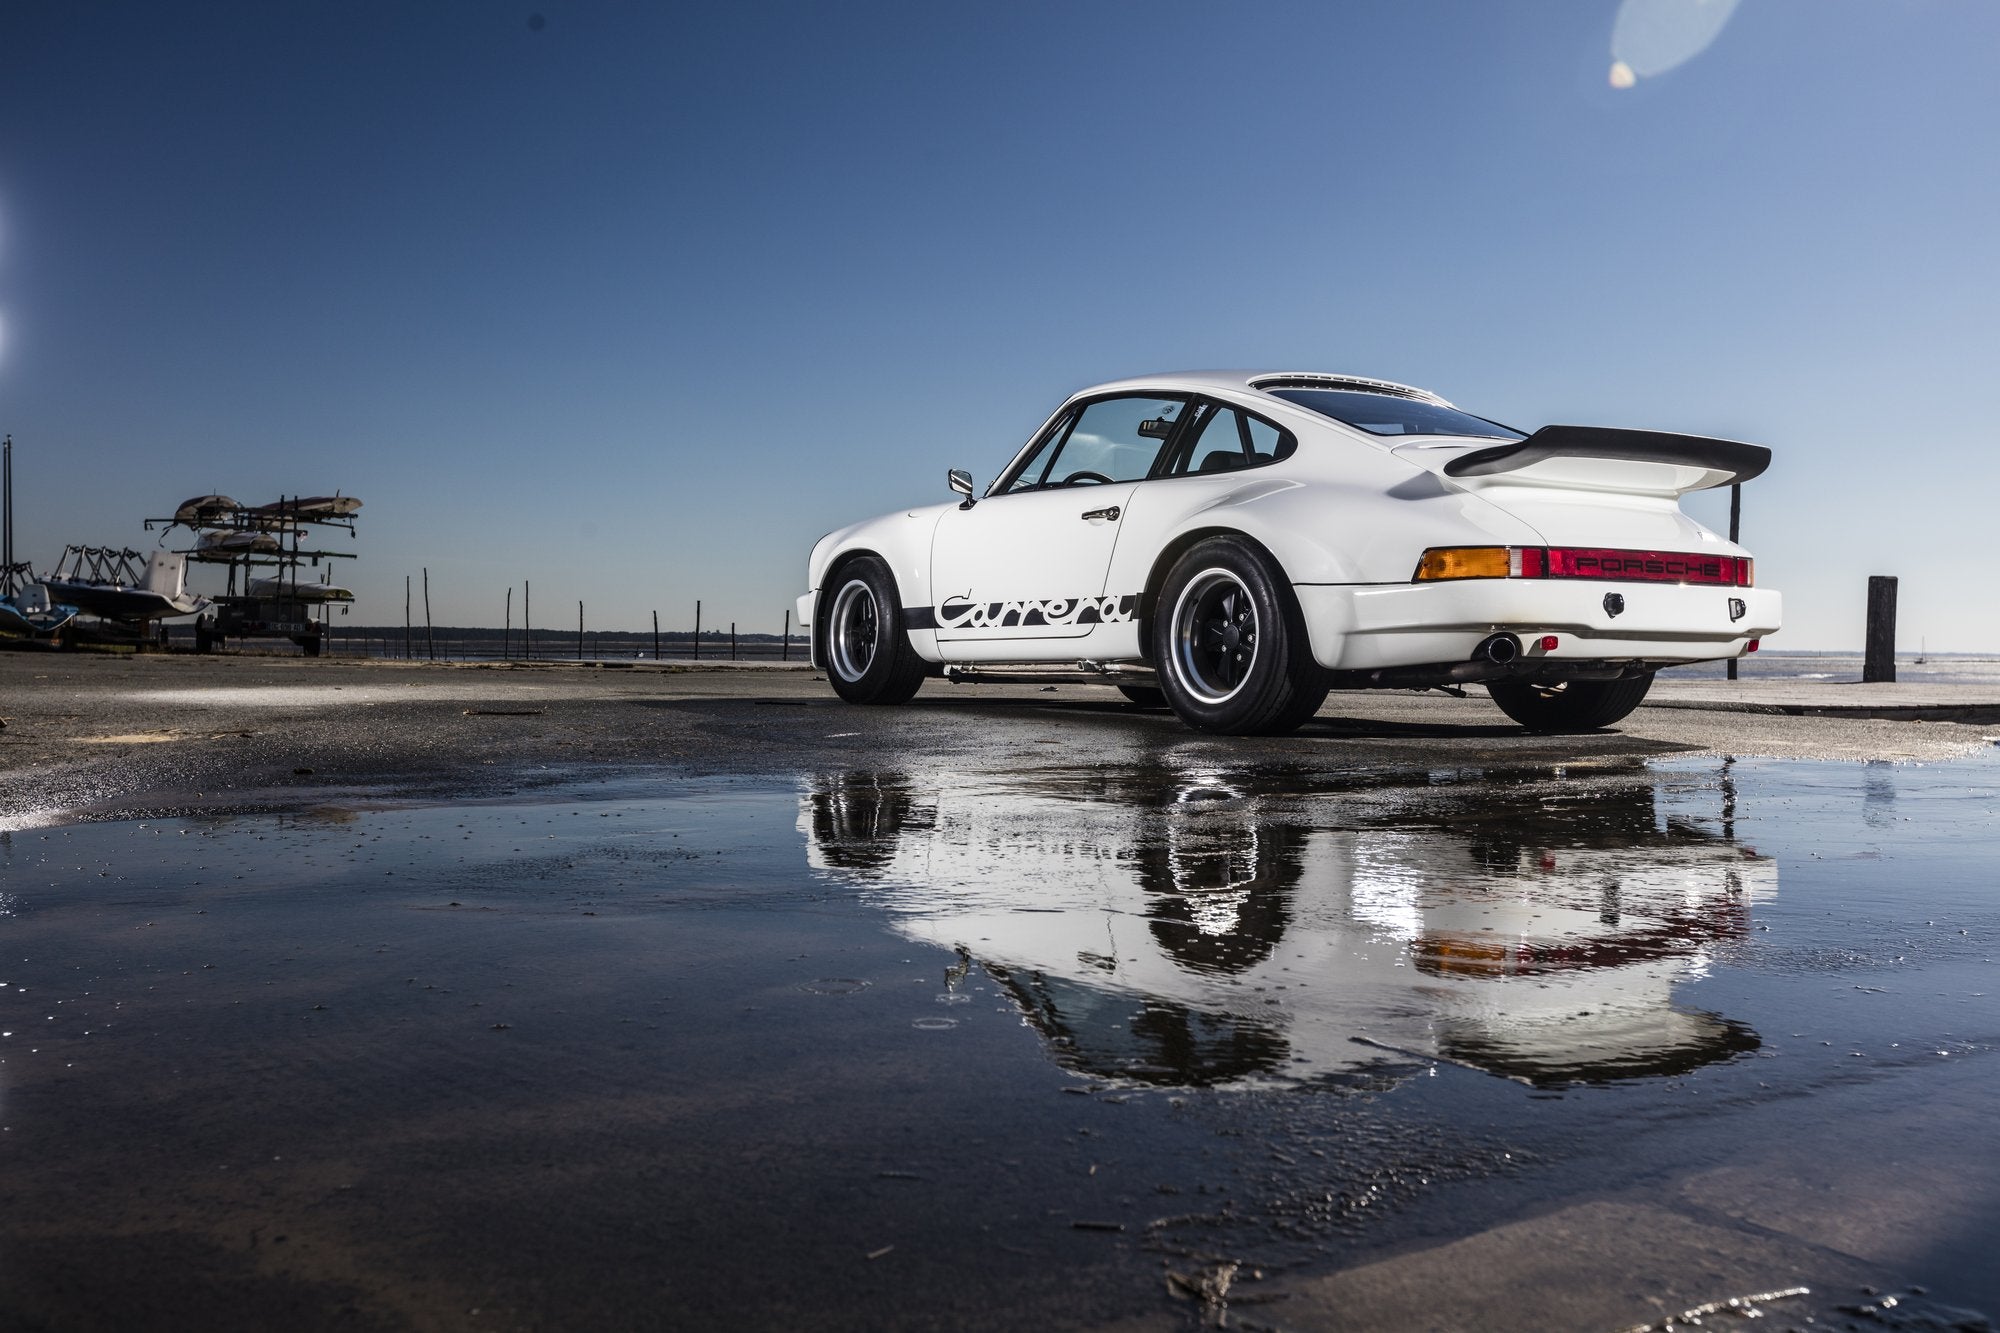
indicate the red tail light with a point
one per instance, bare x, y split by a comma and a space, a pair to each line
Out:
1591, 562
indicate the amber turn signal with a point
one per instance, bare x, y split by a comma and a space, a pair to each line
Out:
1464, 562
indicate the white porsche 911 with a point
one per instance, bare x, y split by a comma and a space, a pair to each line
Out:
1234, 545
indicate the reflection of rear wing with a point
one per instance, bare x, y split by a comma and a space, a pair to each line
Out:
1729, 461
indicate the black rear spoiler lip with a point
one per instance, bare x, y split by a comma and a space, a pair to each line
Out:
1740, 461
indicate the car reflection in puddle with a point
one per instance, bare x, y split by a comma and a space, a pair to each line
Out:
1197, 934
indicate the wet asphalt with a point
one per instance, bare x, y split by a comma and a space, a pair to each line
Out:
404, 996
92, 737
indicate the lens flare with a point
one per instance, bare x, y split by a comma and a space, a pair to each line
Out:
1651, 37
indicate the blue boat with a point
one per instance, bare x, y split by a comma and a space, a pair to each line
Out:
26, 606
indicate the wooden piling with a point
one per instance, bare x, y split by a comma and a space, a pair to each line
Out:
785, 653
697, 629
406, 614
656, 636
579, 630
430, 643
1879, 661
507, 627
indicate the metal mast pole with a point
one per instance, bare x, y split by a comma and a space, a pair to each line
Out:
1735, 524
7, 508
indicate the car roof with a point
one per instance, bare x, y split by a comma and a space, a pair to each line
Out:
1263, 381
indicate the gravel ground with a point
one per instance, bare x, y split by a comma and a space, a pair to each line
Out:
97, 737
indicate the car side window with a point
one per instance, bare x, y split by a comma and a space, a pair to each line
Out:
1224, 439
1216, 442
1113, 439
1268, 444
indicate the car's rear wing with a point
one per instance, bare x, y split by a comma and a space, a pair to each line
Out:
1726, 461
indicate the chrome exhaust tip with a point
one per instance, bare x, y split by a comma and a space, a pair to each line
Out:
1499, 649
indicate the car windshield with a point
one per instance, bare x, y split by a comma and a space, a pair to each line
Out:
1386, 414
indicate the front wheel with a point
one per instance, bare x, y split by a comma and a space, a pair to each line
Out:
1230, 645
1571, 705
868, 656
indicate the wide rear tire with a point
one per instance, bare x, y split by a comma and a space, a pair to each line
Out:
1230, 644
1575, 705
868, 655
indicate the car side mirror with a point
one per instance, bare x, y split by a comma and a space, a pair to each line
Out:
960, 482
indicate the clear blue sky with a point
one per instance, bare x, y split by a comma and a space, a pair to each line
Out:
636, 300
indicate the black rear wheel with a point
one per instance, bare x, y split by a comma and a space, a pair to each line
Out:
1230, 644
1572, 705
868, 656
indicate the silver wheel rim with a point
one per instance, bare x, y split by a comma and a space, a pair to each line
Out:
854, 623
1214, 636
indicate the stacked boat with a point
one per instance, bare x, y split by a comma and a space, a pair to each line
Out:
114, 585
225, 529
323, 590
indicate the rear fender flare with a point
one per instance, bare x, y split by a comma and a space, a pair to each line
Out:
1149, 599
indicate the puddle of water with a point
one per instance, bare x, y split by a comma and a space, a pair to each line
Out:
731, 1040
1173, 937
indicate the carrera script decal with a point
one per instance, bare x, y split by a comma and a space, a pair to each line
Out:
962, 612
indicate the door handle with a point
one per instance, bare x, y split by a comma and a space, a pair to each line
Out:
1111, 514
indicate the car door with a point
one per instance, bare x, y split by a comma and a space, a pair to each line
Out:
1027, 563
1214, 455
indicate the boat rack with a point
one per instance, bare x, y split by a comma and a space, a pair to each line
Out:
268, 540
101, 564
17, 577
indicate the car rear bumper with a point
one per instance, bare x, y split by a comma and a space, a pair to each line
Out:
1362, 627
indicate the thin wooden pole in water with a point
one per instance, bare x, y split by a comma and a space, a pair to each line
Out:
579, 630
732, 641
785, 653
656, 636
527, 634
430, 641
507, 627
406, 616
697, 628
